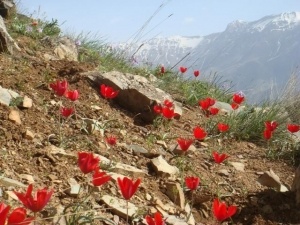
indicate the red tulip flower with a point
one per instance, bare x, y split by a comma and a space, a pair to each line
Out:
192, 182
157, 109
162, 70
4, 209
36, 203
182, 69
19, 216
196, 73
221, 212
111, 140
168, 103
184, 143
238, 98
157, 220
219, 158
108, 92
206, 103
87, 162
66, 112
293, 128
267, 134
222, 127
72, 95
100, 178
59, 87
234, 106
199, 133
34, 23
168, 113
213, 111
271, 125
128, 187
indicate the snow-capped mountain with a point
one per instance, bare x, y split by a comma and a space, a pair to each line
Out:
255, 56
161, 50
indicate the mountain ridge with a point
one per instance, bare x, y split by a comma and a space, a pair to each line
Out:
257, 56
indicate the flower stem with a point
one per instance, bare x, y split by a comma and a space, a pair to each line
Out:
127, 211
190, 213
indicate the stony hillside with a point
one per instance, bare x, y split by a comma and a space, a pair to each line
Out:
40, 147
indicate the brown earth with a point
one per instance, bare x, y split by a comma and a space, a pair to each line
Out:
28, 74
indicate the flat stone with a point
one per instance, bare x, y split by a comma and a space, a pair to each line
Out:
27, 177
189, 215
270, 179
173, 220
118, 206
162, 168
74, 187
6, 96
121, 168
7, 182
137, 149
175, 193
52, 149
223, 172
238, 166
128, 170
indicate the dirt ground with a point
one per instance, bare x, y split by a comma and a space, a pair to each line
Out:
29, 74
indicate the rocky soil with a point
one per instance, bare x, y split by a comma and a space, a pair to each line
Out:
31, 153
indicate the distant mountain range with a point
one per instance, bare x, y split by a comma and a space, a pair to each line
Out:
256, 56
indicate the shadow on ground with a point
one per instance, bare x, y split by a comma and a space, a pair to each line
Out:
268, 207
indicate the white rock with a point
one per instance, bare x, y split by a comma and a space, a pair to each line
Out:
118, 206
15, 116
163, 168
27, 177
175, 193
238, 166
4, 181
27, 102
189, 215
74, 187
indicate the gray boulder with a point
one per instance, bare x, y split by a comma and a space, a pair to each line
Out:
136, 93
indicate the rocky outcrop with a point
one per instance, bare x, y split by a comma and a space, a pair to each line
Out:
136, 94
7, 43
7, 8
296, 184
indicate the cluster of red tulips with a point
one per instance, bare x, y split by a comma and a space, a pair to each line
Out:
35, 203
60, 88
182, 70
270, 127
166, 109
220, 210
88, 163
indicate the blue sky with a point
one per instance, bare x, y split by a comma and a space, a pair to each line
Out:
118, 20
